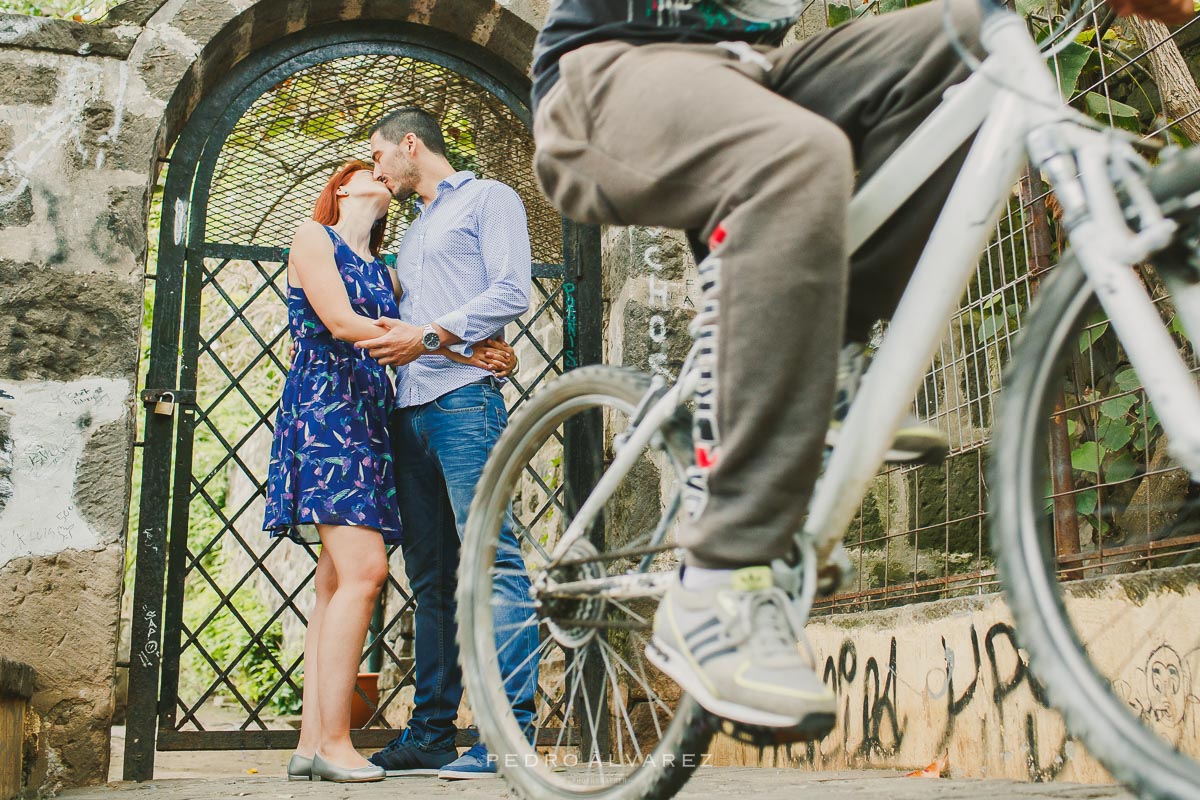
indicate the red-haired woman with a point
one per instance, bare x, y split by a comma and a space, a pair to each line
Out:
331, 461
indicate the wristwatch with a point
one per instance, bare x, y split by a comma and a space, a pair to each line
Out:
430, 338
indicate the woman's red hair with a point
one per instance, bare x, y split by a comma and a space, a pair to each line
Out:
327, 212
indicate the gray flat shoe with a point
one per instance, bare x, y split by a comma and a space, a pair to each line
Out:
299, 768
325, 771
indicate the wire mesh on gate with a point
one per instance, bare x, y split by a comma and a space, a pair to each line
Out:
922, 531
288, 143
246, 599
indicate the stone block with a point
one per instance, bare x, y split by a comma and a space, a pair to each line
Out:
36, 85
323, 12
102, 482
267, 23
532, 11
460, 16
659, 252
636, 251
512, 40
16, 203
6, 137
387, 9
96, 124
948, 494
125, 220
636, 505
61, 326
5, 461
162, 69
655, 337
202, 20
65, 36
136, 145
181, 99
59, 615
131, 12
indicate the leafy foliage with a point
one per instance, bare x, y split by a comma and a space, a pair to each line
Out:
78, 10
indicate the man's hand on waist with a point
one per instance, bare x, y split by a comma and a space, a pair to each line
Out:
398, 343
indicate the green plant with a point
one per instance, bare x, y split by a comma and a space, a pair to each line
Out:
78, 10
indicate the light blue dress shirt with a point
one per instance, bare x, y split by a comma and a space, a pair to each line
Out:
464, 264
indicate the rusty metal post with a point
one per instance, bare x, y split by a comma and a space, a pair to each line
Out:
1062, 479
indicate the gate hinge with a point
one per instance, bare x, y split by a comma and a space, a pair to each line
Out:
186, 397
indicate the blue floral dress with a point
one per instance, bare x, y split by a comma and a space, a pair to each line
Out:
331, 460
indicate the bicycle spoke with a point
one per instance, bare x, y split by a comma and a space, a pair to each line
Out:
593, 727
612, 675
525, 662
637, 617
571, 694
642, 680
518, 627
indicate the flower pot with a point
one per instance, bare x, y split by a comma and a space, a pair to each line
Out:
360, 710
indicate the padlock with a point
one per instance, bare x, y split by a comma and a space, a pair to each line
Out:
165, 404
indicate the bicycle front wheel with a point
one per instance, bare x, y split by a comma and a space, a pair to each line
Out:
1096, 531
610, 725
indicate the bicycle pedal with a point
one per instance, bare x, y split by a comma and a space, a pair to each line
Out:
810, 729
922, 446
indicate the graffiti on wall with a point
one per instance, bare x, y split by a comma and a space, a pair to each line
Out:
659, 299
49, 424
1162, 693
882, 706
966, 688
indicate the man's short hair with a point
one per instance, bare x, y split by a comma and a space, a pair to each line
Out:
411, 119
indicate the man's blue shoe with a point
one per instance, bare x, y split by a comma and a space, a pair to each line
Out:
402, 757
475, 763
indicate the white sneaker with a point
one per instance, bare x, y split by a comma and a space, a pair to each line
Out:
735, 649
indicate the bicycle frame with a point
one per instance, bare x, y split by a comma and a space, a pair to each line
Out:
1014, 125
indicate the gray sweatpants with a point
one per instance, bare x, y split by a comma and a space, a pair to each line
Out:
688, 136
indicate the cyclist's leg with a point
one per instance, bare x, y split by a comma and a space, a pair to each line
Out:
686, 136
878, 78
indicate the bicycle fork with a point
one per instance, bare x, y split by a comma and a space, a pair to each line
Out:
1107, 250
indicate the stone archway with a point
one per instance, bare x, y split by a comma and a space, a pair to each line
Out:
255, 150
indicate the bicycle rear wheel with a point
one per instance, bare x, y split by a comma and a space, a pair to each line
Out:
1096, 531
611, 725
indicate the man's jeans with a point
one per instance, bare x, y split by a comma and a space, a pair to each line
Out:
440, 449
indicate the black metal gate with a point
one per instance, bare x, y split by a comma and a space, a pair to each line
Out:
219, 610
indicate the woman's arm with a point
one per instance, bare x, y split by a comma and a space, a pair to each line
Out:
312, 261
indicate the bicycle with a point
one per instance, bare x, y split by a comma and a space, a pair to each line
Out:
632, 733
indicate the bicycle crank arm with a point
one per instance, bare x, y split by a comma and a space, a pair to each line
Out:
616, 587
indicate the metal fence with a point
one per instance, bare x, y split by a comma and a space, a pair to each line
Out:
242, 178
922, 533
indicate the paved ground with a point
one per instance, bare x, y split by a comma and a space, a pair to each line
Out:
732, 782
258, 774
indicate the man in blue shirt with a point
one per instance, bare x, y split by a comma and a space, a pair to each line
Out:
465, 270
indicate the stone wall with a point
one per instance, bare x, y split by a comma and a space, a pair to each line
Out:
650, 296
73, 237
88, 113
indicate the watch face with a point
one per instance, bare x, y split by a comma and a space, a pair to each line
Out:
431, 341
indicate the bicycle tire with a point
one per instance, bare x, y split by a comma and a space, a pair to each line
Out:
690, 729
1093, 712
